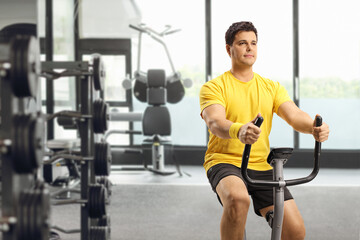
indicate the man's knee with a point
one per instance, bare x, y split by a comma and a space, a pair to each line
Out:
236, 206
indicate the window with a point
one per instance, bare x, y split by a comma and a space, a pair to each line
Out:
329, 69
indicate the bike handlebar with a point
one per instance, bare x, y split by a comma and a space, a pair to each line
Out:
291, 182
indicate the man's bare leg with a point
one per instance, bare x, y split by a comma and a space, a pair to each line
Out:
235, 199
293, 224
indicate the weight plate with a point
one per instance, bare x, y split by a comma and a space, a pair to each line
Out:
97, 201
96, 115
20, 227
100, 116
99, 233
91, 201
20, 154
104, 221
36, 141
25, 66
102, 160
98, 72
107, 184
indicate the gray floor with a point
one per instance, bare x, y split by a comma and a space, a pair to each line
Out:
147, 207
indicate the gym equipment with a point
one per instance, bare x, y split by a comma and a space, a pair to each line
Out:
99, 233
104, 180
96, 202
20, 63
95, 69
102, 159
277, 158
174, 83
27, 144
32, 220
100, 116
156, 120
25, 202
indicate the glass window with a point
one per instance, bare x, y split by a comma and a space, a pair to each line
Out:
274, 47
187, 51
329, 69
110, 20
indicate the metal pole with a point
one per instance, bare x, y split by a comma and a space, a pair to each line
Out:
208, 62
49, 52
296, 85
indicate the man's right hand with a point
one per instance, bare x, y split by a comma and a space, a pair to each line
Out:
249, 133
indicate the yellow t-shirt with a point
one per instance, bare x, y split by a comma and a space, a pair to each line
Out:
242, 102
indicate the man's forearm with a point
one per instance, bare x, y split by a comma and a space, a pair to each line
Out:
220, 128
302, 122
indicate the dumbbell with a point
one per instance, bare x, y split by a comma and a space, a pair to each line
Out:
26, 147
32, 220
20, 63
96, 202
102, 159
100, 116
95, 69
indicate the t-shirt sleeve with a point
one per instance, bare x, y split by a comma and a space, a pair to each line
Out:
281, 96
210, 94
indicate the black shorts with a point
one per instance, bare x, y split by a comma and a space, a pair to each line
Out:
262, 196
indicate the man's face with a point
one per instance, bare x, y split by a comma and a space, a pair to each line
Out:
243, 51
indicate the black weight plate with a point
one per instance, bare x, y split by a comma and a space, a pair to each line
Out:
92, 205
104, 221
32, 215
98, 161
16, 70
107, 184
102, 200
97, 201
34, 65
97, 105
38, 217
25, 64
27, 206
20, 227
102, 163
26, 149
98, 72
20, 158
108, 158
105, 117
36, 140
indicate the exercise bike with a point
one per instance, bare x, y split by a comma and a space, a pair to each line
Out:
277, 158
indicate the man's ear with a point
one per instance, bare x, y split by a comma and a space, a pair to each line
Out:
228, 49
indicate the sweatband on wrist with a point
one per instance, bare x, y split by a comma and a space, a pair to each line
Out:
234, 130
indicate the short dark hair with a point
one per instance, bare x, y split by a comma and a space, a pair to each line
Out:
239, 27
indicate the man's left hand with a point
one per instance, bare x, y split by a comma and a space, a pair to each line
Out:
321, 134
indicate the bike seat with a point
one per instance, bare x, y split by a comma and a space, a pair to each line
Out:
279, 153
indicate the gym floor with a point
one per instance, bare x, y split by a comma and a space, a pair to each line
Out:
145, 206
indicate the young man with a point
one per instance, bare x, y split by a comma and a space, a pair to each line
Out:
230, 104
